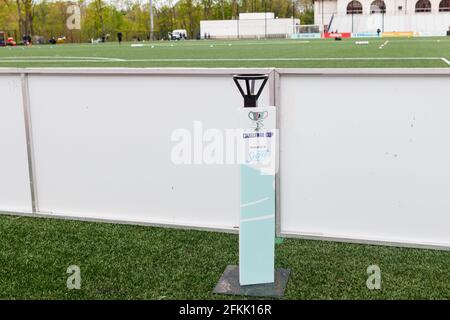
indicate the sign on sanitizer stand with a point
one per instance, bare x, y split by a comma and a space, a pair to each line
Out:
257, 189
257, 143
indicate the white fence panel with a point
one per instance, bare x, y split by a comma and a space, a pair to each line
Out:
363, 153
104, 147
14, 182
366, 157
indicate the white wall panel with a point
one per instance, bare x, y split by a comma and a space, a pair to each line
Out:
364, 153
366, 157
14, 183
425, 23
104, 147
247, 28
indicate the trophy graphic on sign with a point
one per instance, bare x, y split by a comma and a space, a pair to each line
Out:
258, 118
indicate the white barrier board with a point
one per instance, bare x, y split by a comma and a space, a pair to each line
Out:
363, 153
104, 147
366, 157
15, 193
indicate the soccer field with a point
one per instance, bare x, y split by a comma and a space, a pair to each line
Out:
323, 53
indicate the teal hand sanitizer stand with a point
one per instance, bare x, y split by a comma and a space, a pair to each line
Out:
256, 274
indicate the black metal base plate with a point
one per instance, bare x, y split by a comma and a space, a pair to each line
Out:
229, 284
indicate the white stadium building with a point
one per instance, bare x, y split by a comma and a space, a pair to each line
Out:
249, 25
404, 17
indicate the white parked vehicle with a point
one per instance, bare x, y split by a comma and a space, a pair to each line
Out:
179, 34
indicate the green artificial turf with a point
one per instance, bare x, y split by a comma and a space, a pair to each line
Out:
407, 53
136, 262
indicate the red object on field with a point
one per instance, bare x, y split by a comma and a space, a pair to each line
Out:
337, 34
5, 40
10, 42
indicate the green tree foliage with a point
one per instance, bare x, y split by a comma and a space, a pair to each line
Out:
99, 18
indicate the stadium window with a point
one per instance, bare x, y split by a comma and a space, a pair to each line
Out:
378, 6
444, 6
423, 6
354, 7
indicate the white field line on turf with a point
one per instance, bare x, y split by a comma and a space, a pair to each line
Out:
223, 44
56, 61
446, 60
57, 58
222, 59
384, 44
278, 59
284, 59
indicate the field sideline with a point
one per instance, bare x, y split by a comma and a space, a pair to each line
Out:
318, 53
